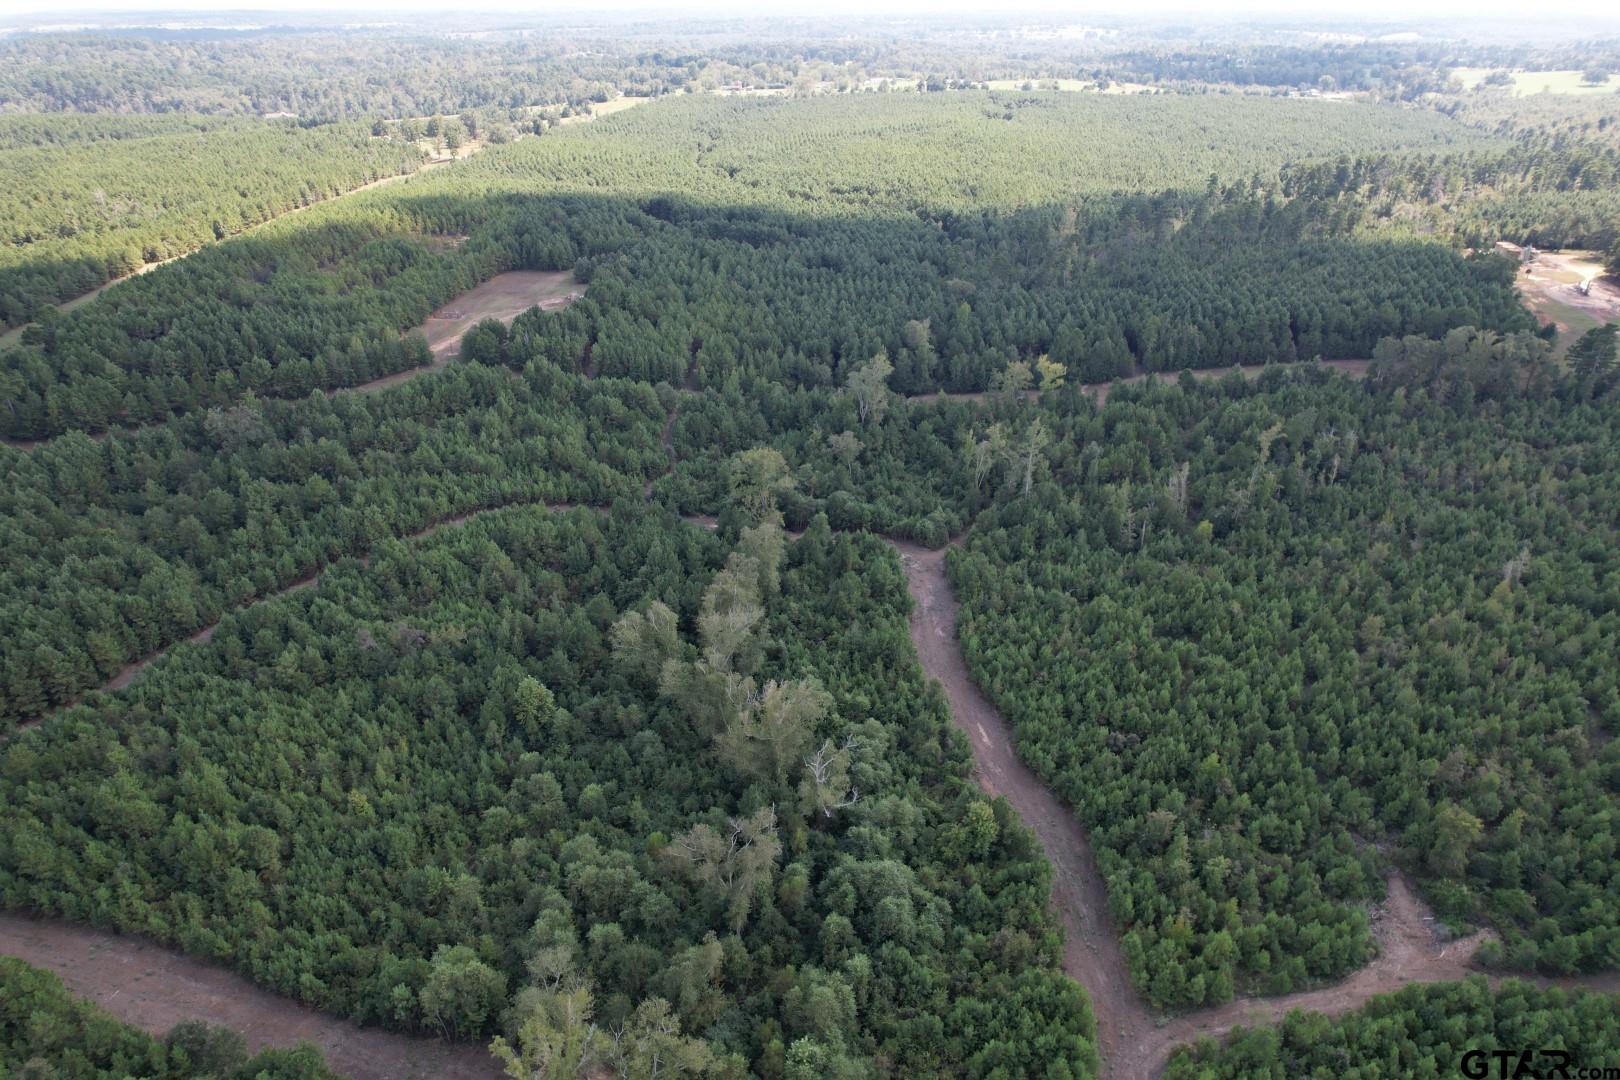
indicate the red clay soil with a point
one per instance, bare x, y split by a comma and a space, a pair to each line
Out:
1134, 1042
153, 988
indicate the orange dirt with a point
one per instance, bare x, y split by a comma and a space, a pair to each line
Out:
153, 988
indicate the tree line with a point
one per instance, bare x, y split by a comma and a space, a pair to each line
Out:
1201, 277
1465, 1028
107, 195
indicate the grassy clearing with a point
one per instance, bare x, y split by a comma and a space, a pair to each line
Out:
600, 109
1526, 83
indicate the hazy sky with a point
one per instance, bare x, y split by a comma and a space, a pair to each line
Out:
1390, 9
1606, 12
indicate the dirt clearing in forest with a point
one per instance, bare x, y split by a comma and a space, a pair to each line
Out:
1551, 286
503, 297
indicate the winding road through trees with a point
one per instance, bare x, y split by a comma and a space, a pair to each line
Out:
152, 987
1134, 1041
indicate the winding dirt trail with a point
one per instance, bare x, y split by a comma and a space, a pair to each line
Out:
1134, 1041
1091, 951
12, 336
1408, 952
504, 297
154, 987
130, 672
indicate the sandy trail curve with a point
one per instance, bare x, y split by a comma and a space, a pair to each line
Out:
1133, 1040
1091, 951
154, 987
1408, 952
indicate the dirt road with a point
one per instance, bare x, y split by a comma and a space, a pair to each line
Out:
130, 672
12, 336
1091, 953
504, 297
1133, 1040
154, 988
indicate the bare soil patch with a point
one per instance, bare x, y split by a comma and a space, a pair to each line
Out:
503, 297
1551, 288
600, 109
153, 988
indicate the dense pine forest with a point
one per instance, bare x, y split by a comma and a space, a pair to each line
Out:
507, 732
558, 689
1281, 619
90, 199
846, 254
1396, 1036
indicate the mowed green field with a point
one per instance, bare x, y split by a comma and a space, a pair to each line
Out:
1537, 82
